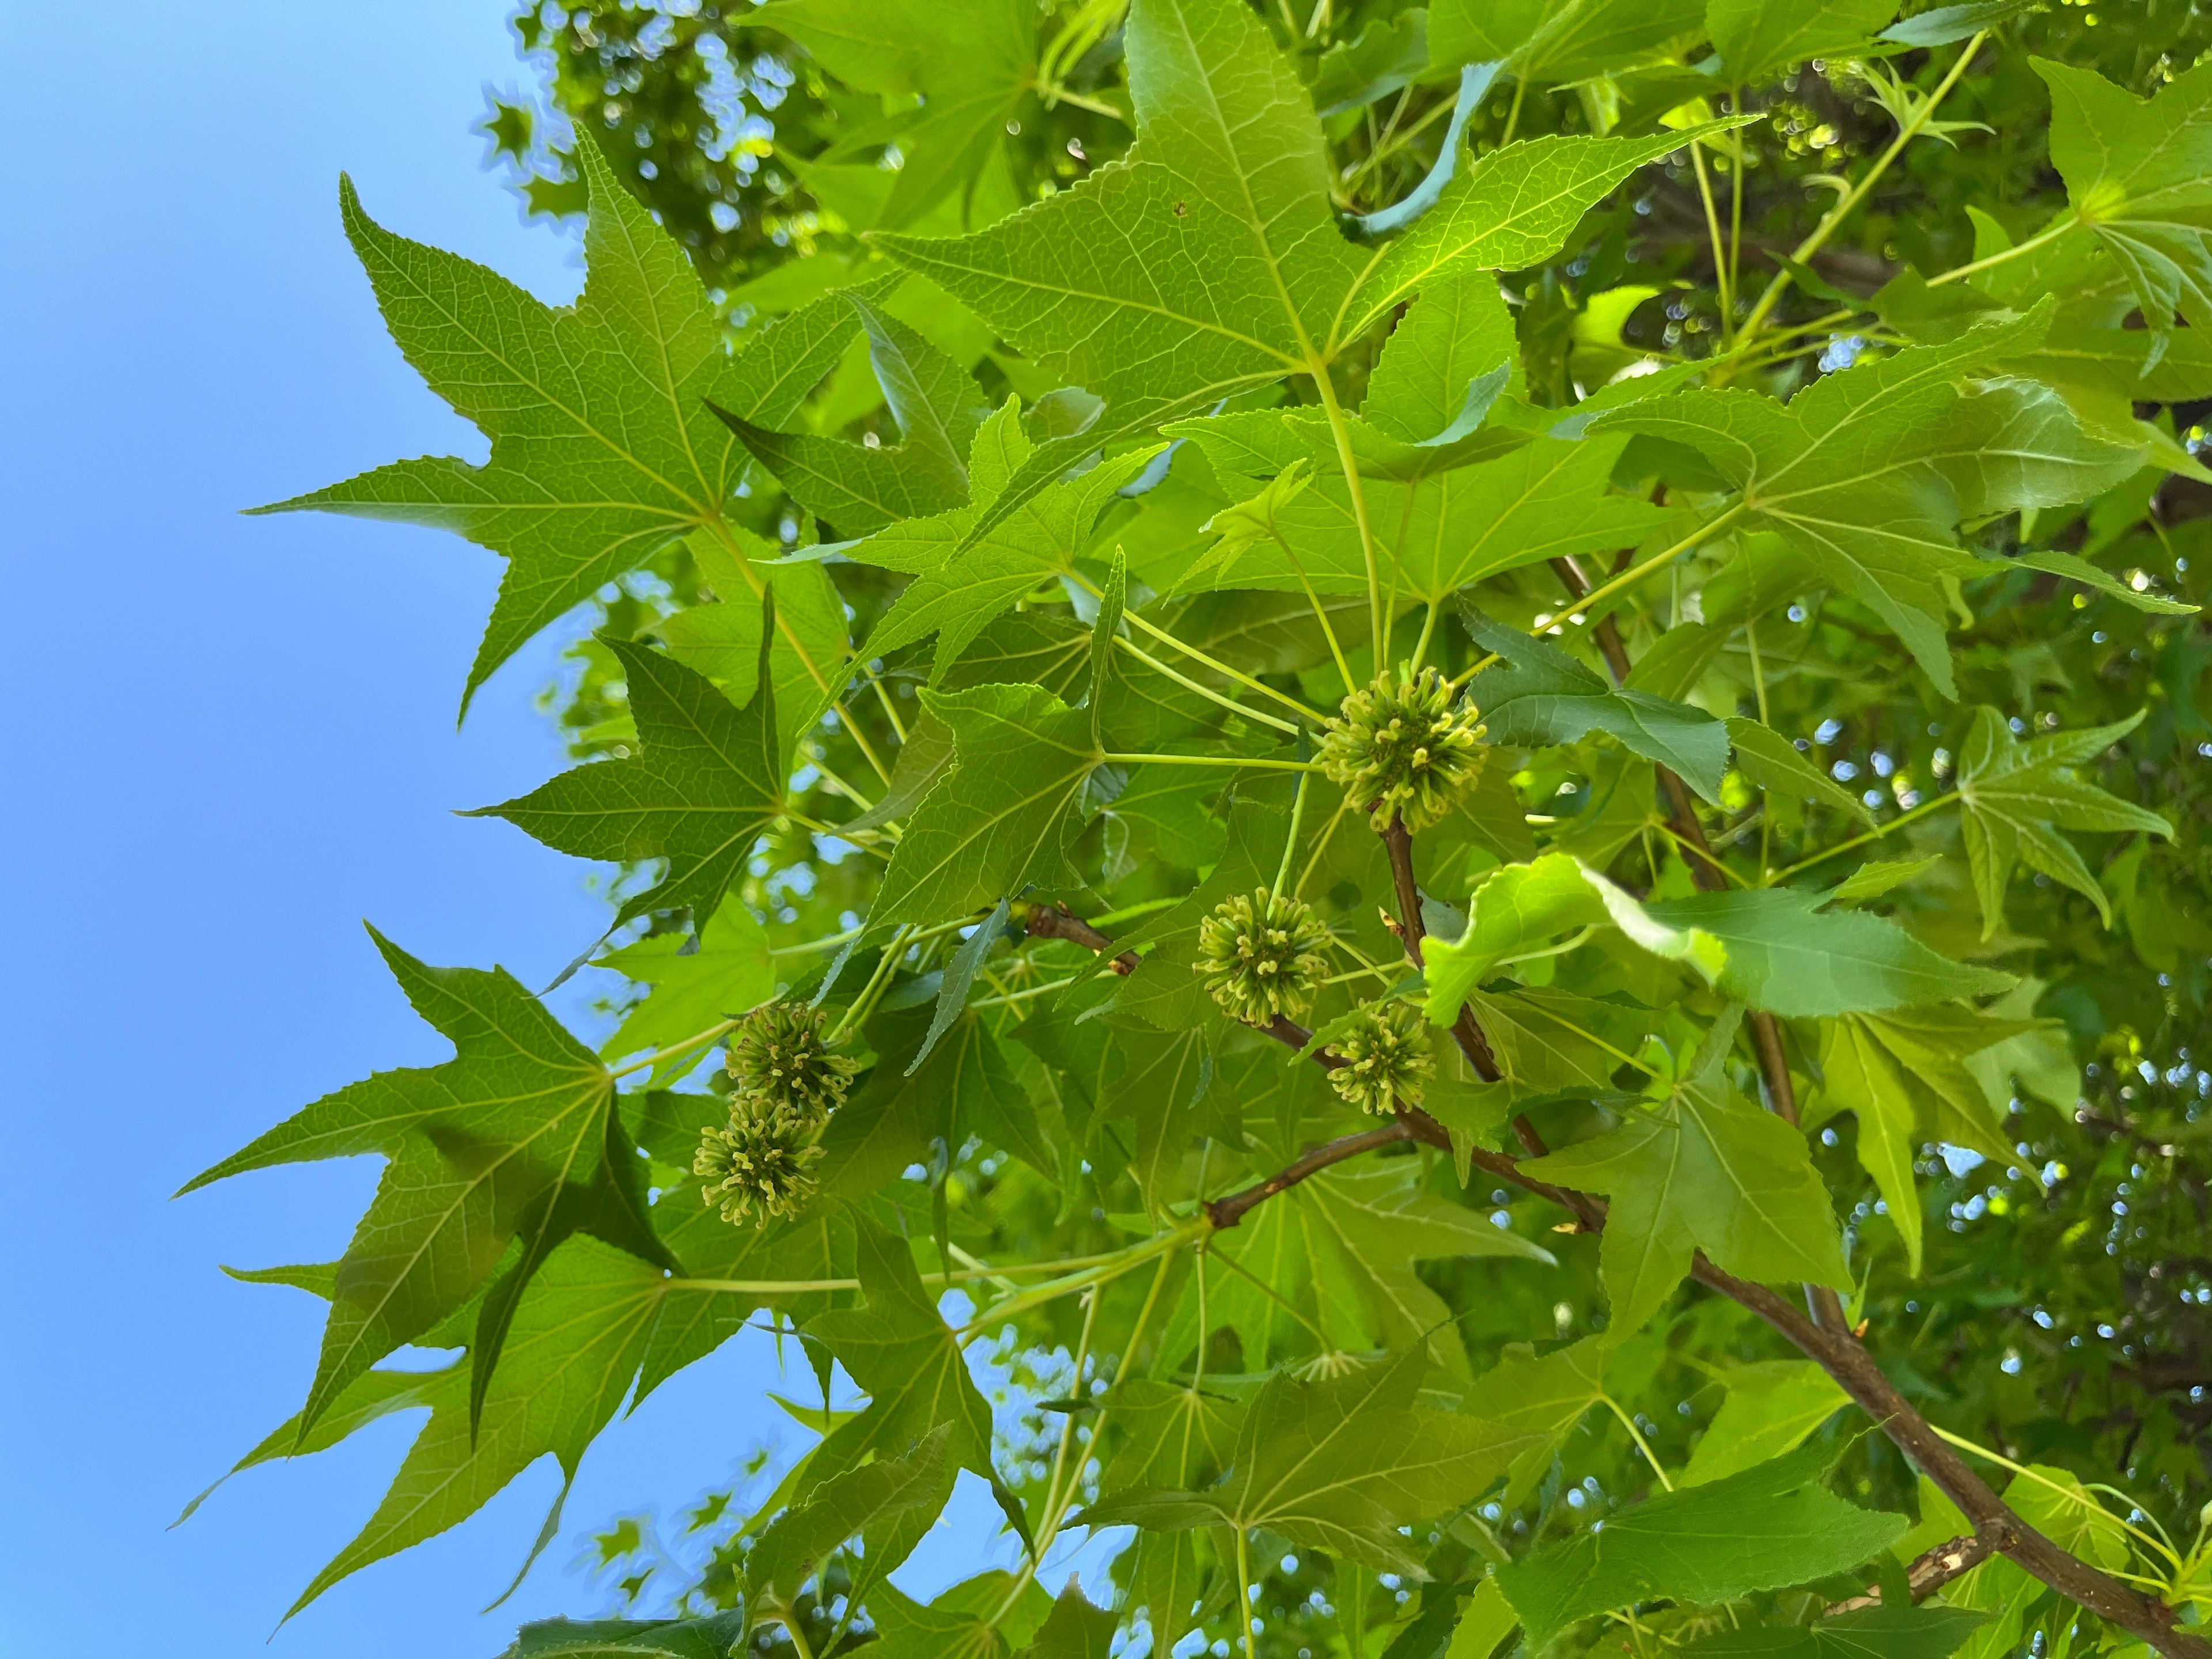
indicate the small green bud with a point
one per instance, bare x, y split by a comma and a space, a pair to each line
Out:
756, 1164
1261, 955
780, 1057
1387, 1057
1403, 749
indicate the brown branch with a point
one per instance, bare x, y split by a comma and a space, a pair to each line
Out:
1929, 1571
1057, 921
1228, 1212
1398, 842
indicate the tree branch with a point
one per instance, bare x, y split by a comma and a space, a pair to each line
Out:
1997, 1529
1398, 842
1057, 921
1929, 1571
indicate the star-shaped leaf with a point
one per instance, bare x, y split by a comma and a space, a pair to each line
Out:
603, 448
1701, 1170
709, 781
1863, 472
2015, 796
1340, 1464
907, 1360
2139, 173
1772, 1526
514, 1140
859, 487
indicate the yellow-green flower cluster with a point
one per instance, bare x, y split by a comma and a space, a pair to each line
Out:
756, 1164
1261, 955
1399, 748
785, 1081
1387, 1056
781, 1053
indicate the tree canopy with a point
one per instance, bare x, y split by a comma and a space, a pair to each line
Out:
1405, 813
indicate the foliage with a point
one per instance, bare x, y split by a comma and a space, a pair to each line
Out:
1226, 984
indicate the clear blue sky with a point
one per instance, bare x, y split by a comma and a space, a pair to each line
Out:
234, 741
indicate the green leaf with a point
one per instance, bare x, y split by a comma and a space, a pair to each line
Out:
1000, 820
1878, 876
1771, 1407
2074, 567
1945, 24
709, 783
1387, 55
908, 1361
859, 487
722, 638
731, 972
1703, 1170
1542, 696
513, 1139
1483, 1628
1771, 761
856, 1504
603, 449
1228, 269
1906, 1075
2015, 796
573, 1346
1515, 208
1338, 1465
1552, 41
1857, 472
1765, 1528
1343, 1249
1532, 1405
964, 1086
1074, 1630
2139, 173
1788, 955
956, 594
711, 1637
1518, 907
1758, 37
1882, 1632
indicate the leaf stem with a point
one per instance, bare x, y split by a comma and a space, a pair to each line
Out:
1635, 573
1340, 430
700, 1040
1291, 840
1221, 668
1877, 834
2029, 1474
2050, 232
1720, 254
1119, 759
1832, 220
1206, 691
1244, 1588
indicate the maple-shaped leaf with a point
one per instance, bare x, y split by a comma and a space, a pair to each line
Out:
868, 1502
1340, 1465
1928, 1632
1340, 1250
511, 1146
859, 488
1869, 473
1001, 818
1772, 1526
603, 448
909, 1362
571, 1352
2139, 175
1701, 1169
2015, 796
709, 781
724, 968
1906, 1075
956, 594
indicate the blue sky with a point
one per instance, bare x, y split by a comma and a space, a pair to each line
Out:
240, 744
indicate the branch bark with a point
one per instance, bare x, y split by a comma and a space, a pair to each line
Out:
1929, 1572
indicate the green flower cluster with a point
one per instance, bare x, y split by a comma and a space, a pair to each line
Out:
756, 1164
1387, 1058
1260, 954
1401, 749
785, 1081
